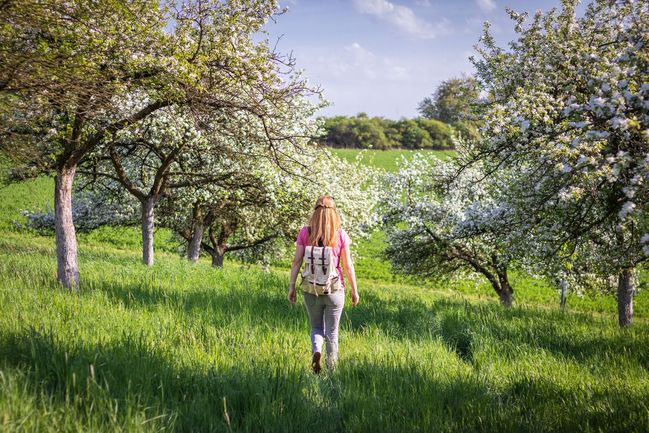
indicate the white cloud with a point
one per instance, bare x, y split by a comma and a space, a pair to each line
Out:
359, 52
486, 5
402, 17
361, 60
358, 63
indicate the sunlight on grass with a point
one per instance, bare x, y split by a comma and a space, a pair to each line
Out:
172, 347
385, 159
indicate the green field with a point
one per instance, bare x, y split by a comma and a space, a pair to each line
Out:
180, 347
385, 159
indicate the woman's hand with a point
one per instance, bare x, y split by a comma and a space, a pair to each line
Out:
348, 267
355, 298
292, 296
295, 269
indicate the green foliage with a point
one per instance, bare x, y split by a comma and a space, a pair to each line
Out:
413, 136
363, 132
440, 134
356, 132
467, 129
456, 102
453, 100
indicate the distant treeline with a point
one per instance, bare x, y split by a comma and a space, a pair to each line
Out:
363, 132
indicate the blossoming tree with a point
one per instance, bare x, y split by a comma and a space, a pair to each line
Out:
569, 119
439, 225
67, 67
262, 206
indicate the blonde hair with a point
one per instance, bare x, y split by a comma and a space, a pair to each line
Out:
324, 222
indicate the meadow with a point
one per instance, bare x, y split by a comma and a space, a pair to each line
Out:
384, 159
182, 347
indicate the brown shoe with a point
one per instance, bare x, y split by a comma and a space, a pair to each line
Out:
315, 362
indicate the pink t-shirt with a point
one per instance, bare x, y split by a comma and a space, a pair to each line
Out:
343, 242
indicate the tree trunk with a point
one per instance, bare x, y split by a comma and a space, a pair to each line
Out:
148, 207
506, 292
563, 285
506, 295
67, 269
217, 257
194, 248
625, 290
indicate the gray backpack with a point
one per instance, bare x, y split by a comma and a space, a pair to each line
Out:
320, 273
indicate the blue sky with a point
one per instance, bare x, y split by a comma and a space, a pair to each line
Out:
382, 57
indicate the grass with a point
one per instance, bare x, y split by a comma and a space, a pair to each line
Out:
186, 348
385, 159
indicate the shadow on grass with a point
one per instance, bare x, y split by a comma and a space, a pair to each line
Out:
279, 396
384, 397
460, 325
185, 396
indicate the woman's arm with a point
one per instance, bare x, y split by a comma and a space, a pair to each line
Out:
295, 268
348, 267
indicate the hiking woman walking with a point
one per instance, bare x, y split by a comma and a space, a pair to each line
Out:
323, 245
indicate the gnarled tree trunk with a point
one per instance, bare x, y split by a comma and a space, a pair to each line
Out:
625, 291
506, 295
67, 269
217, 257
219, 244
496, 274
148, 208
506, 292
198, 229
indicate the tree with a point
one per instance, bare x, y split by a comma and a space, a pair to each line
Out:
437, 224
265, 205
453, 100
413, 136
251, 204
69, 70
252, 200
569, 123
62, 64
257, 212
362, 132
143, 159
441, 134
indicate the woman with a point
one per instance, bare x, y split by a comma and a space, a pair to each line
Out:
324, 310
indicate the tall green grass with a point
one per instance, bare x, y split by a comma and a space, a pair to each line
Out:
385, 159
177, 347
187, 348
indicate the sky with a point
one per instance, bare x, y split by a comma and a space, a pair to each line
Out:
382, 57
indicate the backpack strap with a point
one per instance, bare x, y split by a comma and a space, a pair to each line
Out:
340, 241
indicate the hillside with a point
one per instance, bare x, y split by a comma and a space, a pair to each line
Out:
178, 347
